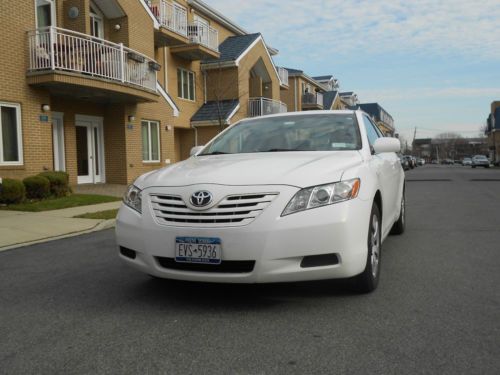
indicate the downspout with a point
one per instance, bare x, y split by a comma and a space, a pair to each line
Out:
295, 94
204, 72
165, 78
195, 135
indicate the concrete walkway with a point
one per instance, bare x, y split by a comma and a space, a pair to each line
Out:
25, 228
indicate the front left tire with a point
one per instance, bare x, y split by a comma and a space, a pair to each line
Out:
367, 281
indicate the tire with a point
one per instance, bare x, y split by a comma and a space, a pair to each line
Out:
400, 225
367, 281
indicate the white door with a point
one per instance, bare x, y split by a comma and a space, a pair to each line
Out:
58, 141
89, 150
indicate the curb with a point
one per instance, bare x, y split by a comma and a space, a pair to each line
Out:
106, 224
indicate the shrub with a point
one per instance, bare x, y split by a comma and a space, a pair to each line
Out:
59, 183
12, 191
37, 187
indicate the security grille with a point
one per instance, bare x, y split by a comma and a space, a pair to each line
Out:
233, 210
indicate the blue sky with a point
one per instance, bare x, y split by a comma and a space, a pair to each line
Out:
434, 65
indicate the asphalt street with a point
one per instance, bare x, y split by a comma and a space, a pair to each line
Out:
72, 307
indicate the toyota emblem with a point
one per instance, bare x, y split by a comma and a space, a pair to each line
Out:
201, 198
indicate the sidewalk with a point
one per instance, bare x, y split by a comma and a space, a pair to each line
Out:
24, 228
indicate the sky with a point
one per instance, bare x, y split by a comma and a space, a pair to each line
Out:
433, 65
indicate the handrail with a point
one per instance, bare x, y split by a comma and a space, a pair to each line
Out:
55, 48
201, 33
260, 106
283, 75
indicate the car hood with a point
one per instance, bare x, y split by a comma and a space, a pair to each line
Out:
299, 169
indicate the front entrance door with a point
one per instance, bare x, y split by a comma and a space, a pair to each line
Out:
58, 141
89, 149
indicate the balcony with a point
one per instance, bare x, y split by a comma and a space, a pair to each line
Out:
64, 60
203, 43
191, 41
312, 101
283, 75
173, 22
265, 106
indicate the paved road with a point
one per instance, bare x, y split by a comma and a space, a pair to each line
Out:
70, 306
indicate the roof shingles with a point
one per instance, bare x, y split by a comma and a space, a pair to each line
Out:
210, 110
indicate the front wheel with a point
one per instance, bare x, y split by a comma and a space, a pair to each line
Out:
367, 281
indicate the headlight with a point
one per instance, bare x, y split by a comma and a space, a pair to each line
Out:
133, 198
322, 195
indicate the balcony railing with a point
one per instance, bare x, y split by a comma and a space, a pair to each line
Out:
283, 74
171, 16
310, 98
265, 106
201, 33
53, 48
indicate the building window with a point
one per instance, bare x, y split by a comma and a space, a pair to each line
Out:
150, 131
96, 22
10, 134
45, 13
185, 84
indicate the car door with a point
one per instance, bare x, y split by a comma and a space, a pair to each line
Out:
387, 169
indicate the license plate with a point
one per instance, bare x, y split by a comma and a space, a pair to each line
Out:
198, 250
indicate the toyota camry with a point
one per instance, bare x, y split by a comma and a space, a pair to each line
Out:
280, 198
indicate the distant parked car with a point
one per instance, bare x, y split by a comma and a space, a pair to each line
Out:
480, 161
404, 162
447, 161
434, 161
409, 159
466, 162
421, 162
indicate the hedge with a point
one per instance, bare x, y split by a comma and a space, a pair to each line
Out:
37, 187
59, 183
12, 191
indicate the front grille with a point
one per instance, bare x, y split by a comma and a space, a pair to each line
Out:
226, 266
233, 210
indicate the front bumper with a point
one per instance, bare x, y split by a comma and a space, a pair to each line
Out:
276, 244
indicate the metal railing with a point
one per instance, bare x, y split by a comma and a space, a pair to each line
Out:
265, 106
171, 16
201, 33
312, 98
283, 74
53, 48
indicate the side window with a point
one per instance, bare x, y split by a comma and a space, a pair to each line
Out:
370, 130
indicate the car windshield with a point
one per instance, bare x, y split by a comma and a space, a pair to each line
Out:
482, 157
328, 132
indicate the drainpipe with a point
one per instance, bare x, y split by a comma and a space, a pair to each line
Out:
295, 95
195, 135
165, 68
204, 72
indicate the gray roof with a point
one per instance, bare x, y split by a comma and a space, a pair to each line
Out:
348, 93
209, 112
328, 98
231, 48
294, 71
323, 78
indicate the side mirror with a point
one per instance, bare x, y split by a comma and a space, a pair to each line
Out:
386, 144
195, 150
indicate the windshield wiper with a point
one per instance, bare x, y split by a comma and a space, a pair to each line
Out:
282, 149
215, 153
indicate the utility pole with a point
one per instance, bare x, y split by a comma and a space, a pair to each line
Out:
413, 143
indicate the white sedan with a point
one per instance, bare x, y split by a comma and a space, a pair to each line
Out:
280, 198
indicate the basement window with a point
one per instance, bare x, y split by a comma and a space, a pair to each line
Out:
150, 131
11, 152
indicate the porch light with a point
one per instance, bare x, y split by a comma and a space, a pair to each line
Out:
45, 107
131, 118
117, 27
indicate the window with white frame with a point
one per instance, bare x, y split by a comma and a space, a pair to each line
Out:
150, 131
45, 13
96, 22
11, 152
185, 84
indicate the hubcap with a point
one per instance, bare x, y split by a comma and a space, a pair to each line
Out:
375, 242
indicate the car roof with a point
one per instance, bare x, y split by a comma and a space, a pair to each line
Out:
306, 113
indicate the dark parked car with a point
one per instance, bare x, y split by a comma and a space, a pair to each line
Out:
480, 161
